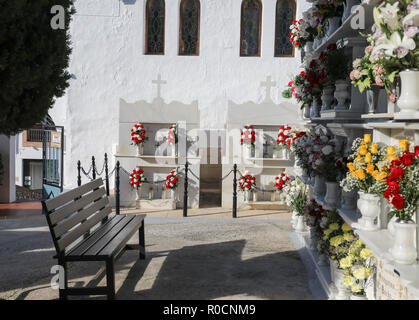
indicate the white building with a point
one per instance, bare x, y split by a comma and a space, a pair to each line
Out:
111, 62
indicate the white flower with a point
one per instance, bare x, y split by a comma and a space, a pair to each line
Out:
411, 31
327, 150
390, 16
356, 63
412, 18
396, 46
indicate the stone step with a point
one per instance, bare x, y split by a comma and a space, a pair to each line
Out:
266, 205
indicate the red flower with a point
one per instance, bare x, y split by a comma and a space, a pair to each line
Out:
417, 151
395, 175
407, 159
398, 202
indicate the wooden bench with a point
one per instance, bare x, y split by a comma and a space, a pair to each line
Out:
82, 229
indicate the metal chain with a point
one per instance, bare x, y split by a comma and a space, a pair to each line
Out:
87, 173
112, 172
226, 176
103, 169
196, 177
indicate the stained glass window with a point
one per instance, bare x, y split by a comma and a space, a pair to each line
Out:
155, 14
285, 14
189, 27
251, 18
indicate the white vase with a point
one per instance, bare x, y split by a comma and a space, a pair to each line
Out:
294, 219
369, 206
140, 149
403, 250
173, 194
285, 154
349, 199
315, 109
348, 8
342, 94
408, 101
332, 192
358, 297
137, 193
300, 225
308, 48
343, 292
307, 112
276, 154
247, 151
327, 98
248, 196
319, 187
334, 24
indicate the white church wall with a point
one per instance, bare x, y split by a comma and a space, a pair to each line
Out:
108, 64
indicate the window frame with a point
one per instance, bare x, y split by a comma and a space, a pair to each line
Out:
294, 4
146, 52
260, 31
198, 41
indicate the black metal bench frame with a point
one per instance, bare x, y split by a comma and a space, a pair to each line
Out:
82, 229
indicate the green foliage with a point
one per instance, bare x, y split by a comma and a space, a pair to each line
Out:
287, 94
33, 61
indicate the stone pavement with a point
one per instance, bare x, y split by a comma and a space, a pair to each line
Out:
206, 256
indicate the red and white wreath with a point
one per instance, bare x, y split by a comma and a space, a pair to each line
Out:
138, 134
247, 182
136, 178
172, 180
284, 136
172, 135
248, 135
281, 181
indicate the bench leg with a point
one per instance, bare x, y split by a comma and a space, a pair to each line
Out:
141, 241
63, 292
110, 279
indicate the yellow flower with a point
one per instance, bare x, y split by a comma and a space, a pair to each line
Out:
350, 166
345, 263
348, 281
348, 236
358, 244
404, 145
363, 150
334, 226
346, 227
336, 241
361, 273
359, 158
327, 232
360, 174
366, 253
370, 168
381, 176
374, 148
368, 158
391, 153
356, 288
367, 138
375, 173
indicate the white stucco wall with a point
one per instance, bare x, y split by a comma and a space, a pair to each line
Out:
108, 64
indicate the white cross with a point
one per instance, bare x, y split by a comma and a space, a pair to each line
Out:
269, 84
159, 82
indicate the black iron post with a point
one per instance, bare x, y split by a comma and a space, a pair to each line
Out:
117, 187
93, 168
78, 173
235, 191
185, 194
106, 175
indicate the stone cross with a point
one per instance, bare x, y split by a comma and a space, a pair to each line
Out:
269, 84
159, 82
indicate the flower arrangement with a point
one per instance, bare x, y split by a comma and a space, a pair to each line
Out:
281, 181
300, 33
172, 180
368, 169
302, 147
314, 213
248, 135
359, 267
137, 178
247, 182
340, 236
333, 219
403, 181
284, 136
138, 134
295, 195
172, 136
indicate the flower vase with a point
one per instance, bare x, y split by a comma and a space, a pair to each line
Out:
334, 24
248, 196
256, 196
370, 206
313, 238
349, 199
140, 149
248, 151
315, 109
294, 219
331, 197
319, 187
358, 297
403, 250
173, 150
344, 292
372, 98
285, 154
173, 194
348, 8
307, 112
308, 48
327, 98
276, 154
408, 101
137, 193
300, 225
342, 94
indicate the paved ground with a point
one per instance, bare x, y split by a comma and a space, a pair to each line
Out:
208, 256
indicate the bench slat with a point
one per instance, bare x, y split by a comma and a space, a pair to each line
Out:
94, 237
81, 215
68, 196
98, 246
83, 228
75, 206
118, 243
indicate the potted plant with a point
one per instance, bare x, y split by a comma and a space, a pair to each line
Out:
367, 172
138, 137
403, 194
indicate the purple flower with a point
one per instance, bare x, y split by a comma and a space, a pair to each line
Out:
411, 31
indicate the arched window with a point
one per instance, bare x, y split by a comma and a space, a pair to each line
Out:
285, 14
189, 27
251, 27
154, 39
